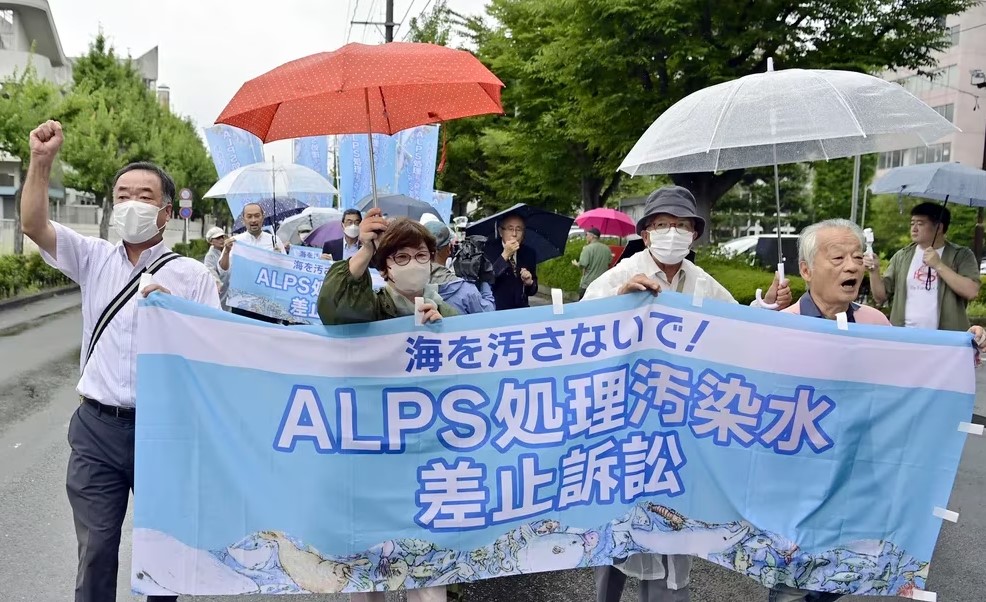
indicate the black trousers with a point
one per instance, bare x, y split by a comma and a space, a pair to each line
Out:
100, 479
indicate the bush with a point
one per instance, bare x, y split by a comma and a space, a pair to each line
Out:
195, 248
20, 274
981, 297
739, 278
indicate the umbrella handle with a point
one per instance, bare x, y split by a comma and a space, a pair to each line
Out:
780, 279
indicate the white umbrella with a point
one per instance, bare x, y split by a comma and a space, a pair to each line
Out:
780, 117
312, 216
270, 180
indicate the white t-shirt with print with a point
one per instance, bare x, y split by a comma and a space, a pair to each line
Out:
921, 309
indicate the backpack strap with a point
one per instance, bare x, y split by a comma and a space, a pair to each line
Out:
121, 299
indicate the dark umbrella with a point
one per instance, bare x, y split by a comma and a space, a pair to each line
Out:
397, 205
324, 233
544, 231
274, 211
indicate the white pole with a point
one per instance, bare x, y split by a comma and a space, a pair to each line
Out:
855, 189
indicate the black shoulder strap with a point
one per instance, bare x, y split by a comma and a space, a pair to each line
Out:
122, 298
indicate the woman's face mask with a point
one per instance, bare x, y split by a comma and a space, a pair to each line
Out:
135, 221
670, 247
410, 278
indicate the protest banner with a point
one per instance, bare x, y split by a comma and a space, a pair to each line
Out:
303, 252
279, 286
354, 167
386, 455
232, 148
313, 153
417, 150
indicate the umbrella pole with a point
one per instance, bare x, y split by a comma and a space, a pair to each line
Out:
934, 240
369, 141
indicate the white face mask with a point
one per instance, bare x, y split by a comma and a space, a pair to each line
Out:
410, 278
670, 247
351, 231
136, 222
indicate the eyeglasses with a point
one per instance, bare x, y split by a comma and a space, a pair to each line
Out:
664, 227
350, 222
405, 258
513, 229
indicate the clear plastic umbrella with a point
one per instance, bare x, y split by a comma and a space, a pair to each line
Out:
781, 117
268, 180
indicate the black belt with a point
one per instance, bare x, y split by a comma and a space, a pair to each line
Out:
102, 408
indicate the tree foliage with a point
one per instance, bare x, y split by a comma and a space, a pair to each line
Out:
25, 101
585, 78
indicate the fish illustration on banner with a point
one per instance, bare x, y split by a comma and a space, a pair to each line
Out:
524, 441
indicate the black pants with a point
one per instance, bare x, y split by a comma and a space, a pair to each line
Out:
100, 479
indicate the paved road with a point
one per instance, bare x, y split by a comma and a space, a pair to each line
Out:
38, 365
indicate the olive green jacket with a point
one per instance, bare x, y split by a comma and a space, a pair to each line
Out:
951, 307
344, 299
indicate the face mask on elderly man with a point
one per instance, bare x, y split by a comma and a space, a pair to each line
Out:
670, 247
136, 222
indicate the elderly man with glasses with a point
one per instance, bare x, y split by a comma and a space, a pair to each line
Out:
514, 265
669, 227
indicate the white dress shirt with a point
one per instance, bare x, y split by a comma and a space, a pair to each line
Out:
265, 241
684, 281
102, 269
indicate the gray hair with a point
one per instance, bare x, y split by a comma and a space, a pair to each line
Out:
808, 240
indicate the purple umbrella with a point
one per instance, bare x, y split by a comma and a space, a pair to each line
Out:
324, 233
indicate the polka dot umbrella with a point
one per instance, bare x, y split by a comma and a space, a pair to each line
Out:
363, 88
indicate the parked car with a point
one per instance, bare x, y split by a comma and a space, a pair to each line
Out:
982, 268
761, 249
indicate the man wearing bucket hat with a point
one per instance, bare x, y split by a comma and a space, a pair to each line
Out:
669, 227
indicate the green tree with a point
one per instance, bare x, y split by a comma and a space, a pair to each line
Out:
753, 199
110, 114
832, 185
585, 78
25, 102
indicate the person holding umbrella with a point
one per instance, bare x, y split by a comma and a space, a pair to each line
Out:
514, 265
930, 281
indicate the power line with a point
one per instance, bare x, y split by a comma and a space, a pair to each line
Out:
351, 19
369, 17
406, 13
408, 34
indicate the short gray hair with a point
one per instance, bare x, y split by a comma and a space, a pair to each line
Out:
808, 240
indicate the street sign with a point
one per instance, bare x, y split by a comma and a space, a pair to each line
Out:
185, 213
185, 194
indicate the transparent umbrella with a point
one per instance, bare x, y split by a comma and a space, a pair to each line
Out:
780, 117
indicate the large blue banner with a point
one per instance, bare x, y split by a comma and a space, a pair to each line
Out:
232, 148
354, 167
417, 150
280, 286
313, 153
386, 455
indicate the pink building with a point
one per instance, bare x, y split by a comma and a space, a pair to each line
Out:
952, 92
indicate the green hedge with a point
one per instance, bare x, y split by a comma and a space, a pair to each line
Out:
739, 278
195, 248
23, 274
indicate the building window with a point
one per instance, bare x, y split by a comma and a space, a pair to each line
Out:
7, 179
891, 159
953, 33
935, 153
7, 29
946, 111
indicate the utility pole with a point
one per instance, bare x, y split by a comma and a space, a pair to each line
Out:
388, 24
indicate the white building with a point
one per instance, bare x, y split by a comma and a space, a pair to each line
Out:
953, 93
25, 24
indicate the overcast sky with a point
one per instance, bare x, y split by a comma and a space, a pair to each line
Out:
208, 48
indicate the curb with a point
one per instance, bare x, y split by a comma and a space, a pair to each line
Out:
28, 299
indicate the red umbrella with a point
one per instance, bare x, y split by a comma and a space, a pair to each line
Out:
607, 221
361, 88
